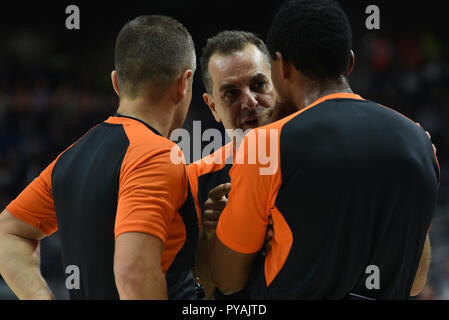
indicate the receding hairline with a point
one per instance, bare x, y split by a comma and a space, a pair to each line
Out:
220, 53
227, 42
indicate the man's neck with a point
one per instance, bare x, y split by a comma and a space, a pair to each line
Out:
306, 96
157, 115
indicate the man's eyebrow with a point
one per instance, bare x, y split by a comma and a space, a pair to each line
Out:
227, 87
259, 76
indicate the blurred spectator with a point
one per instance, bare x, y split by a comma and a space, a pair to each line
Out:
381, 53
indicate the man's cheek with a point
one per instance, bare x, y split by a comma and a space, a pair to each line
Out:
265, 116
269, 100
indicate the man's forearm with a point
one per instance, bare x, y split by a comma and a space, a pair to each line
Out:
20, 267
138, 267
423, 269
230, 270
201, 266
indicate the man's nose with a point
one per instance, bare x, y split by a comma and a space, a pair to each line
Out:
250, 101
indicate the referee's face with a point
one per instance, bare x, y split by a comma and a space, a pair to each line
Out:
241, 88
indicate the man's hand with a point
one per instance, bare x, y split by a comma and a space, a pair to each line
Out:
433, 146
430, 138
214, 205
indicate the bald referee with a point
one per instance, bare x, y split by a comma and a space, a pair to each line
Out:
124, 211
355, 187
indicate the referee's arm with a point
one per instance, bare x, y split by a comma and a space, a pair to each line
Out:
230, 269
423, 268
137, 267
27, 219
20, 258
424, 262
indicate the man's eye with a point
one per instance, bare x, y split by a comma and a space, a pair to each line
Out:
260, 85
231, 94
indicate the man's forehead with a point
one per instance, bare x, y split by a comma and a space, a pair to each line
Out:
238, 66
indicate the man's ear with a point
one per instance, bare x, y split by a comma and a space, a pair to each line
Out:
351, 63
284, 65
114, 80
183, 84
209, 100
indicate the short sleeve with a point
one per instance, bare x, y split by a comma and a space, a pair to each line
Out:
243, 222
35, 206
151, 190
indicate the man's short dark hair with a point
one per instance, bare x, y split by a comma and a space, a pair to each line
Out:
225, 43
150, 52
314, 35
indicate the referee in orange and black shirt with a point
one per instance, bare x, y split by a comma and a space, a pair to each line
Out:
354, 188
235, 68
124, 210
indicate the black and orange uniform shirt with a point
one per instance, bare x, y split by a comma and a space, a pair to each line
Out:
355, 185
204, 175
117, 178
209, 172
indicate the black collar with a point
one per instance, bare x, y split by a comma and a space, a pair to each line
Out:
146, 124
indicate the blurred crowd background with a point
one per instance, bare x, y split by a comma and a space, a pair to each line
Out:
55, 85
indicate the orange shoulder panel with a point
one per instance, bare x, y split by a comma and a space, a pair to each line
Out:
152, 186
35, 206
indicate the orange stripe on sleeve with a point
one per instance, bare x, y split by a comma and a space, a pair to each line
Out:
35, 206
152, 187
149, 194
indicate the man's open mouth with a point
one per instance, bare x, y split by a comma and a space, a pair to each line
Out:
251, 122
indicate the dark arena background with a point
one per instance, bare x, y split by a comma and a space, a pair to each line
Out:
55, 84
